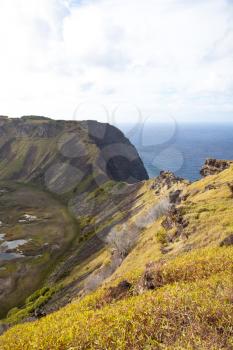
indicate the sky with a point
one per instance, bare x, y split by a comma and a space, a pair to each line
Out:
117, 60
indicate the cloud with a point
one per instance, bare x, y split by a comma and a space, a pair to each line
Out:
165, 56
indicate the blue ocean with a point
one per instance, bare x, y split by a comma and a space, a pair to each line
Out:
181, 148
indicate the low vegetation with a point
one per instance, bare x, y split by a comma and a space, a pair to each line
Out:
193, 309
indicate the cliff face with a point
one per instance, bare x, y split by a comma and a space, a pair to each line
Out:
36, 149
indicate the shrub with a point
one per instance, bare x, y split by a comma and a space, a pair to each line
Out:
33, 302
161, 236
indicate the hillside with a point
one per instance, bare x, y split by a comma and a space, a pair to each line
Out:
47, 171
148, 264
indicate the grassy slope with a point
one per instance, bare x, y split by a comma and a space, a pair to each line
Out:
210, 216
178, 315
192, 309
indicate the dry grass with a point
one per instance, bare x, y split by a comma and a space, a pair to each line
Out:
193, 310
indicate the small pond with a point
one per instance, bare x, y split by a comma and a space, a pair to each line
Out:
10, 245
10, 256
13, 244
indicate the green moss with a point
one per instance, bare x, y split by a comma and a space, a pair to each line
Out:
37, 294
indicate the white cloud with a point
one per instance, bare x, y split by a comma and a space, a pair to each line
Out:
165, 56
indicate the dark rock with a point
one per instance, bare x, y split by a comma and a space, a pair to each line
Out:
38, 313
214, 166
227, 241
118, 292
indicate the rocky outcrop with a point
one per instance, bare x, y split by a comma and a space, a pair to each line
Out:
165, 181
214, 166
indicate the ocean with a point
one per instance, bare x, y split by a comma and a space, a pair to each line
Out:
181, 148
